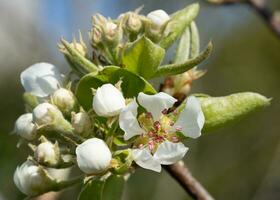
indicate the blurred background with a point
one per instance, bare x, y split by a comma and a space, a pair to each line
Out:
241, 161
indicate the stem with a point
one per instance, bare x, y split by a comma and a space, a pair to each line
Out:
183, 176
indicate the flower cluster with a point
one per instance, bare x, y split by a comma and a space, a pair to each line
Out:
106, 119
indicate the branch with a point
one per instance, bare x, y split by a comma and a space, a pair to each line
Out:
272, 19
184, 177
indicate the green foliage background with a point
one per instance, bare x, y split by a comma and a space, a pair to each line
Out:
237, 162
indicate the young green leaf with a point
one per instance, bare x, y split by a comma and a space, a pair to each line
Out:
178, 68
109, 189
220, 111
177, 24
142, 57
132, 84
92, 190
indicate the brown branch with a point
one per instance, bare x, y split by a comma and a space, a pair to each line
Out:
272, 19
184, 177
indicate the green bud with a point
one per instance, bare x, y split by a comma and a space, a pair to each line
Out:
220, 111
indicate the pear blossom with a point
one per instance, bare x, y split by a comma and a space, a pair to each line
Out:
25, 127
108, 101
158, 17
46, 113
64, 99
93, 156
81, 123
31, 179
158, 142
41, 79
47, 153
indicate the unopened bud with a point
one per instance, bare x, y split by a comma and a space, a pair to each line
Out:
64, 100
47, 153
133, 23
79, 47
31, 179
46, 113
81, 123
93, 156
25, 127
158, 17
96, 35
108, 101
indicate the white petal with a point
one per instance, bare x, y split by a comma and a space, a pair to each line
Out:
41, 79
191, 119
169, 153
108, 101
144, 159
128, 121
156, 103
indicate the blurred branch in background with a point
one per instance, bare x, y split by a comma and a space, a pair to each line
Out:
184, 177
271, 18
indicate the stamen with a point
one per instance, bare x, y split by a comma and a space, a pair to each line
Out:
175, 139
171, 123
141, 146
157, 125
179, 128
151, 145
151, 133
149, 115
165, 111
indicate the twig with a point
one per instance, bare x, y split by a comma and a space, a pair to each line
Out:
182, 174
272, 19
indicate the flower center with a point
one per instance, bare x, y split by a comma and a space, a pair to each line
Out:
156, 131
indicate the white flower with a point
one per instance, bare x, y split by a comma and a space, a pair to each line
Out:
108, 101
47, 153
158, 17
158, 142
81, 123
41, 79
64, 99
93, 156
46, 113
31, 179
25, 127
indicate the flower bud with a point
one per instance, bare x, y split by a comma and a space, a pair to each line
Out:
133, 23
47, 153
158, 17
81, 123
93, 156
64, 100
80, 47
108, 101
46, 113
96, 35
31, 179
25, 127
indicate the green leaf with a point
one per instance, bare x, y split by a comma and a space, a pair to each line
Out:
92, 190
109, 189
177, 24
220, 111
178, 68
78, 62
113, 188
142, 57
132, 84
